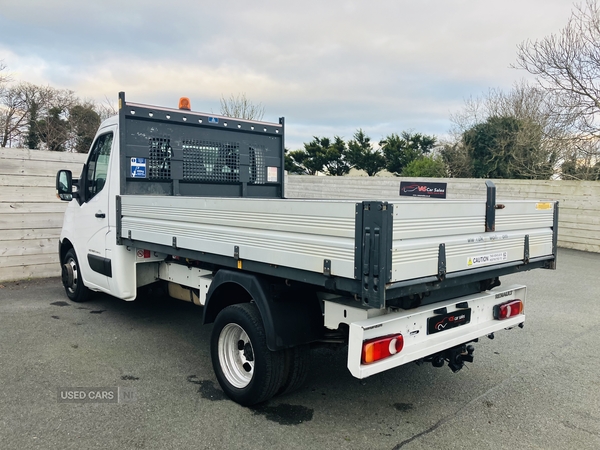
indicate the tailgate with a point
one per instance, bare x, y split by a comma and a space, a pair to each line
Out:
428, 236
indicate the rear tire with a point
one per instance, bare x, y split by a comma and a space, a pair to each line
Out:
71, 278
248, 372
296, 367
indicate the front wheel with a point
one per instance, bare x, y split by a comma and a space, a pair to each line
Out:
71, 278
248, 372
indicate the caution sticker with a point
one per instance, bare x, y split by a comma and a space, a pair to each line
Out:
486, 259
543, 205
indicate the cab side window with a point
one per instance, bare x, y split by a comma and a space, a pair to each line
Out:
97, 167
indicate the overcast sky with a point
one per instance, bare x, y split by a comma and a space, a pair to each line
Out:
327, 66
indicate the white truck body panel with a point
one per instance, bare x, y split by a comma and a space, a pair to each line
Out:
190, 277
286, 232
413, 326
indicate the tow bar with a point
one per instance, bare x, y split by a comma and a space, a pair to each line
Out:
456, 357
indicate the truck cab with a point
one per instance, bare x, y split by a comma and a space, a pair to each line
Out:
89, 224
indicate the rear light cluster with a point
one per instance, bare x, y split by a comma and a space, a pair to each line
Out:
382, 347
508, 309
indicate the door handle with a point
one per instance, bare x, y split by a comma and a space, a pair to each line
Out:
100, 215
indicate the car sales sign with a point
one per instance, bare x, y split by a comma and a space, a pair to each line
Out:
423, 189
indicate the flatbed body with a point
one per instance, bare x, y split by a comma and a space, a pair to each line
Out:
324, 240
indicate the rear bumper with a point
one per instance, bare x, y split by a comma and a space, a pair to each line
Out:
413, 325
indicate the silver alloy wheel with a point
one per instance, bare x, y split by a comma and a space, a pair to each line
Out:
70, 273
236, 355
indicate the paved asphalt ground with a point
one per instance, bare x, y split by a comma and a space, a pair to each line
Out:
538, 387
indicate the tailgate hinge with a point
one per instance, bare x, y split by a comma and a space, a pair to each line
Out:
327, 267
441, 262
374, 251
490, 207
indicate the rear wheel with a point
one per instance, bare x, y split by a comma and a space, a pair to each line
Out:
248, 372
71, 278
296, 367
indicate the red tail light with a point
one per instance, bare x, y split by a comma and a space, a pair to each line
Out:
508, 309
381, 347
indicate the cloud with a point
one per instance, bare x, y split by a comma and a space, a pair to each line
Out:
329, 67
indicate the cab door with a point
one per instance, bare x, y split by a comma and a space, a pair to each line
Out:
93, 217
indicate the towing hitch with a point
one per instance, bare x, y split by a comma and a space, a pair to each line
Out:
456, 357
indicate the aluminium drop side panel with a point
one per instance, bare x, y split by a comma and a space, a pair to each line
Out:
520, 214
419, 257
419, 232
428, 219
299, 234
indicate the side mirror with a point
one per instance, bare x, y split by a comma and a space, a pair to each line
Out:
64, 185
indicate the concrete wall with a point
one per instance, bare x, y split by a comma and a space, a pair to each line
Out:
579, 211
30, 213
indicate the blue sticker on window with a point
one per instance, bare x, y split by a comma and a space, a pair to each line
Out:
138, 167
213, 120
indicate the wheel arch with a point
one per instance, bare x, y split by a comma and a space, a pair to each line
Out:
63, 247
291, 314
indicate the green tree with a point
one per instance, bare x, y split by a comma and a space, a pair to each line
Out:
335, 157
319, 155
426, 166
32, 115
300, 162
574, 170
400, 151
84, 122
507, 147
291, 165
457, 159
535, 128
362, 155
33, 137
583, 160
54, 130
21, 106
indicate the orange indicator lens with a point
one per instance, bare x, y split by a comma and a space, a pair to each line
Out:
381, 347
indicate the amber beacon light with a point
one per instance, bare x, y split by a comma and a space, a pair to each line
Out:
184, 103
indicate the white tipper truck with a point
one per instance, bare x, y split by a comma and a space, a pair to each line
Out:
196, 201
